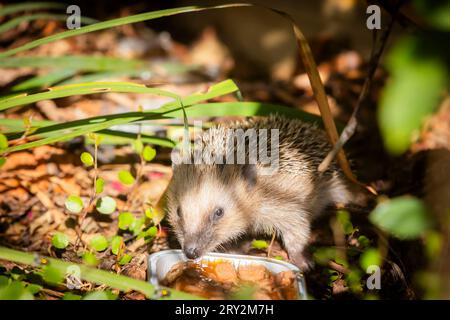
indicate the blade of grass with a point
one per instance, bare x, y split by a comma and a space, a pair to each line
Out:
82, 89
10, 24
74, 62
98, 276
319, 93
25, 6
72, 129
43, 81
114, 23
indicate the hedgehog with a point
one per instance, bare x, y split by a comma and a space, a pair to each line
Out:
212, 203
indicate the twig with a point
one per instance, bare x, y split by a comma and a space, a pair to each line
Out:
92, 199
350, 128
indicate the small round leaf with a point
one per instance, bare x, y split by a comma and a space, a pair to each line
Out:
90, 259
125, 220
99, 243
99, 185
259, 244
116, 244
125, 259
125, 177
404, 217
87, 159
60, 240
149, 153
106, 205
74, 204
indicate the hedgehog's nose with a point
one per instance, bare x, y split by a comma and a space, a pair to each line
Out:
191, 252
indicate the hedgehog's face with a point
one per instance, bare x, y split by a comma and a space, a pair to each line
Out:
206, 210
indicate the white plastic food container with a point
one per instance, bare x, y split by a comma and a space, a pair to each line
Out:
160, 263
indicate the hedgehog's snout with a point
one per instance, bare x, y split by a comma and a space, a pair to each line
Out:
192, 252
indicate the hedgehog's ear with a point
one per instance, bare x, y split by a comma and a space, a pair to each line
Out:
249, 173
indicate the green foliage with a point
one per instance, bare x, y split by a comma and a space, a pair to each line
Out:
52, 274
100, 295
60, 240
87, 159
126, 177
3, 142
343, 217
436, 12
106, 205
15, 291
19, 7
125, 259
404, 217
148, 153
71, 296
137, 225
74, 204
99, 185
125, 220
116, 244
323, 255
408, 98
260, 244
90, 259
99, 243
370, 257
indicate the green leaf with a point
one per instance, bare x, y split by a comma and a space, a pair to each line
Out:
15, 291
2, 161
125, 259
260, 244
3, 142
407, 99
370, 257
52, 275
106, 205
74, 204
126, 177
99, 243
4, 281
97, 295
404, 217
149, 153
116, 244
71, 296
136, 226
363, 241
125, 220
90, 259
60, 240
34, 288
87, 159
344, 219
148, 234
99, 185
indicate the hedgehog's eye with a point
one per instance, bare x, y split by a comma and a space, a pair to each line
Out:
179, 212
218, 213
